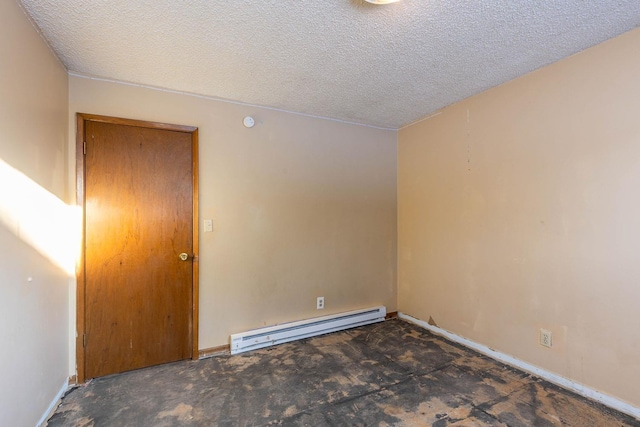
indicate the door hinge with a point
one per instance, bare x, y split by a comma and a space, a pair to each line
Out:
84, 147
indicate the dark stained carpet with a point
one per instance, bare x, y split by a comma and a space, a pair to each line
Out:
387, 374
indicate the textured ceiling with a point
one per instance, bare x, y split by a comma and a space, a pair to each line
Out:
345, 59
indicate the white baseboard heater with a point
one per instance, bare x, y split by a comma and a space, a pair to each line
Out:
285, 332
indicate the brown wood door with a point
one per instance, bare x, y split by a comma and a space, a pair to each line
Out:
139, 218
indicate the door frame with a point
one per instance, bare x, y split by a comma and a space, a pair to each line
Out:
81, 119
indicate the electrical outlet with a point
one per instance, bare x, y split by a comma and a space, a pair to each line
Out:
545, 338
320, 303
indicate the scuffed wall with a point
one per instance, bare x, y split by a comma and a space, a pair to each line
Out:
518, 210
34, 282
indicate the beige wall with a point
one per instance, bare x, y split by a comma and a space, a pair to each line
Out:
302, 207
33, 140
519, 209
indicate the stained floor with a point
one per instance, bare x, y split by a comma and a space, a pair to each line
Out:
388, 374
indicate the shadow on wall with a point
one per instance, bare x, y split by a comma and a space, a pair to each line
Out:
40, 219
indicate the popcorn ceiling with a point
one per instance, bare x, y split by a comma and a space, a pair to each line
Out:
384, 66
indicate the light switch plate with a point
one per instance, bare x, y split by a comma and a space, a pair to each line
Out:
208, 225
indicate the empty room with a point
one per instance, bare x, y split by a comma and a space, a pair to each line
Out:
345, 212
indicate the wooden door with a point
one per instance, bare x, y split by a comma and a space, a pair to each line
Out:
139, 202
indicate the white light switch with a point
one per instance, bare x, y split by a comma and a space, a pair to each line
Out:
208, 225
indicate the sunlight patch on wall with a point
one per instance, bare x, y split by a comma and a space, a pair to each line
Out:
40, 219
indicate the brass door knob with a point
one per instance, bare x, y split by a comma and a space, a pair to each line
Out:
183, 256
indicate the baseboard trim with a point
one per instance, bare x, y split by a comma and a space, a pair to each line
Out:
54, 404
556, 379
391, 315
214, 351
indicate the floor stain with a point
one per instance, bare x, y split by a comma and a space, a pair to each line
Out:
386, 374
182, 412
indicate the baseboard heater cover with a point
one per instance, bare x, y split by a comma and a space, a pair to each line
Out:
285, 332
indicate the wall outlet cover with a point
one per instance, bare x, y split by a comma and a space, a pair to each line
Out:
545, 338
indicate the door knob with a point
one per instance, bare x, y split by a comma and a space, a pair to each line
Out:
183, 256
